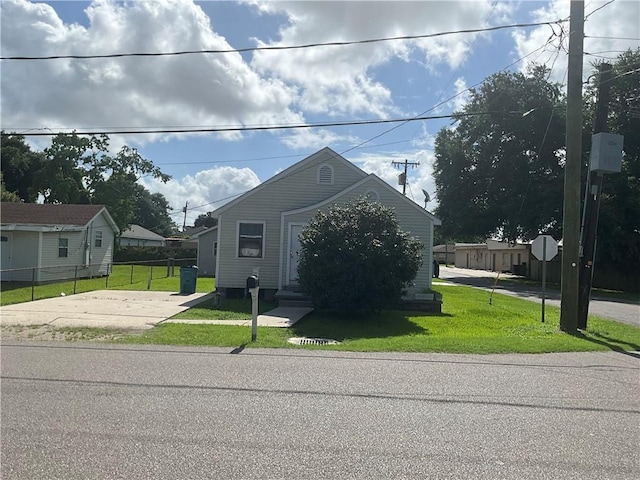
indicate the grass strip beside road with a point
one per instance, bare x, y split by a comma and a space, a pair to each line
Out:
467, 324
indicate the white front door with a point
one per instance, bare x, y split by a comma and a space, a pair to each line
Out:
5, 254
294, 252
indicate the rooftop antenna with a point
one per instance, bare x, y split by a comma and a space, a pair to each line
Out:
427, 198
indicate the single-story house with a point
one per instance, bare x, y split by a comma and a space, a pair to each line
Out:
258, 231
45, 243
137, 236
207, 251
493, 255
445, 253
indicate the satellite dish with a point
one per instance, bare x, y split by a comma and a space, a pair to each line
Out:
427, 198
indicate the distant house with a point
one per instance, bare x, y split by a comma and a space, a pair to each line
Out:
44, 243
207, 251
493, 255
445, 253
137, 236
259, 231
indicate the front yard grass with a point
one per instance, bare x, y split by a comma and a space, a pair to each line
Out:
467, 324
123, 277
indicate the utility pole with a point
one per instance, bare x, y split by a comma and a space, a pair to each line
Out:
184, 209
402, 179
571, 209
592, 195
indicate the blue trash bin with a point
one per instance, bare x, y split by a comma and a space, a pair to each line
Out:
188, 280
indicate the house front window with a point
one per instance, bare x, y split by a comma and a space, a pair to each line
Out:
98, 239
250, 240
63, 247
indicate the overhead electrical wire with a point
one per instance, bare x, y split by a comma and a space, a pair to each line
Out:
285, 47
260, 128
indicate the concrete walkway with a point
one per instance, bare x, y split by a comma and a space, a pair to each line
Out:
280, 317
126, 309
102, 309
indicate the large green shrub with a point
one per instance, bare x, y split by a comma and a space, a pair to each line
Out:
355, 257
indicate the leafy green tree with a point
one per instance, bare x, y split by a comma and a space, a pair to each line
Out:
18, 166
205, 220
152, 213
619, 219
355, 257
5, 195
499, 172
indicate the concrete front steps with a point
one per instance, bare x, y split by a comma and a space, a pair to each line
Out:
292, 298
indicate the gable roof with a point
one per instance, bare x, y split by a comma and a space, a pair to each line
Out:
301, 165
140, 233
204, 232
382, 184
51, 214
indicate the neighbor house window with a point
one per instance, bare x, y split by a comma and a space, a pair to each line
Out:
372, 196
63, 247
98, 239
215, 249
325, 175
250, 240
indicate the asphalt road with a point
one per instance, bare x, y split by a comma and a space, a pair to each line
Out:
624, 311
101, 412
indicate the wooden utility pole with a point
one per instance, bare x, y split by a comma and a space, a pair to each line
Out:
184, 209
403, 176
571, 209
592, 195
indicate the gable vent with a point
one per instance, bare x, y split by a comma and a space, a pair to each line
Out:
325, 175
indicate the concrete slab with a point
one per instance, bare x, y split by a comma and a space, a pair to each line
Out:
102, 308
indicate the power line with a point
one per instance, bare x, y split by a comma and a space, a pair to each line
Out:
599, 8
262, 128
285, 47
612, 38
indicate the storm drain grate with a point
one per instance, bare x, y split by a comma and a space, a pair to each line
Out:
312, 341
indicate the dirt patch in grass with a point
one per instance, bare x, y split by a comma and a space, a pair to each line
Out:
48, 333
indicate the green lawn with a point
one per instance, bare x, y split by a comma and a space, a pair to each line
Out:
467, 324
123, 277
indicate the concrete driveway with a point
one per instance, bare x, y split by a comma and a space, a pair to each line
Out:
101, 308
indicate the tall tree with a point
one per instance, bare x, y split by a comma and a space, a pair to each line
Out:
205, 220
619, 220
152, 213
18, 166
499, 172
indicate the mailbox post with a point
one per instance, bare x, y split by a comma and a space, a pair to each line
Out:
253, 285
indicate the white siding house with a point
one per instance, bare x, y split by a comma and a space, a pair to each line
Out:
44, 243
260, 229
207, 251
137, 236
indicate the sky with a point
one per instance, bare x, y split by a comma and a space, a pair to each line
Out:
392, 79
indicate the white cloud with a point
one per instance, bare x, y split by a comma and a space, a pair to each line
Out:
191, 90
614, 21
340, 79
205, 191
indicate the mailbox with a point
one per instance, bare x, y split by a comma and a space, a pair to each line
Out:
253, 282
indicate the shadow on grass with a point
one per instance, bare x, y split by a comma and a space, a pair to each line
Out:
326, 324
611, 343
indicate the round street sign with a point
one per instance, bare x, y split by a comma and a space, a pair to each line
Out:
544, 252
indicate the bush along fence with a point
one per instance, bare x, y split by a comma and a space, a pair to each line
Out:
70, 279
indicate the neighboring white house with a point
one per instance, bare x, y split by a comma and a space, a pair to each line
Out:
493, 255
259, 230
49, 242
207, 251
137, 236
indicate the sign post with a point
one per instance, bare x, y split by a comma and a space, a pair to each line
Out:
544, 248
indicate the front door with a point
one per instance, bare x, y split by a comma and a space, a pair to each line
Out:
5, 254
294, 252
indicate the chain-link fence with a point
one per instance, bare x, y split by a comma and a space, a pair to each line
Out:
44, 282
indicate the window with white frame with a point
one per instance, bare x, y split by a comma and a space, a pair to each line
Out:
251, 239
97, 239
63, 247
325, 175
